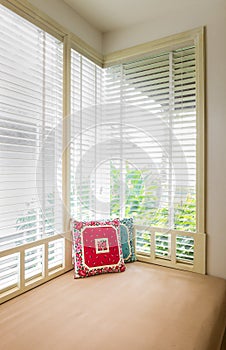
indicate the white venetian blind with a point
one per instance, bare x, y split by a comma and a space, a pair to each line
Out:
134, 145
153, 101
30, 142
86, 89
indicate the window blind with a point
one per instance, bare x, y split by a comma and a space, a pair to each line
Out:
153, 100
157, 107
30, 142
86, 97
134, 152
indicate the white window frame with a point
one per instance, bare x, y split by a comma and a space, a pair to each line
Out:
196, 37
192, 37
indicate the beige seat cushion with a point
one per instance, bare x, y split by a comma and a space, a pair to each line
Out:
145, 308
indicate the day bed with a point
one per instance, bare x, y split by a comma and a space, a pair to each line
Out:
147, 307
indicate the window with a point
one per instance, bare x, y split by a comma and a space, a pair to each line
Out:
86, 99
152, 155
31, 64
135, 150
124, 140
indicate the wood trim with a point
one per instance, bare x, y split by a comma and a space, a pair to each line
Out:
26, 10
199, 263
34, 244
47, 274
171, 42
84, 49
66, 148
12, 293
200, 109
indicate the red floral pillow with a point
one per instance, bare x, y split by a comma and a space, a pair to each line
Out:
97, 248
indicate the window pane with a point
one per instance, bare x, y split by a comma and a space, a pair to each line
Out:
30, 131
153, 102
135, 149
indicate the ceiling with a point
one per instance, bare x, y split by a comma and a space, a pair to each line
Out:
108, 15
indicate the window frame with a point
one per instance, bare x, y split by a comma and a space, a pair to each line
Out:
31, 14
195, 37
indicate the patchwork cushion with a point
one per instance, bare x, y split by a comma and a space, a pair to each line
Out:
97, 248
127, 239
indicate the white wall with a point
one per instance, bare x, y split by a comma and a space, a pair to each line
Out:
213, 16
68, 18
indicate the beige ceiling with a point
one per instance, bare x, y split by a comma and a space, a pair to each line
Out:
108, 15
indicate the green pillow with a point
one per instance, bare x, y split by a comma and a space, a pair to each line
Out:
127, 239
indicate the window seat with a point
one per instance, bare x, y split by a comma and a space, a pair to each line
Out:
147, 307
